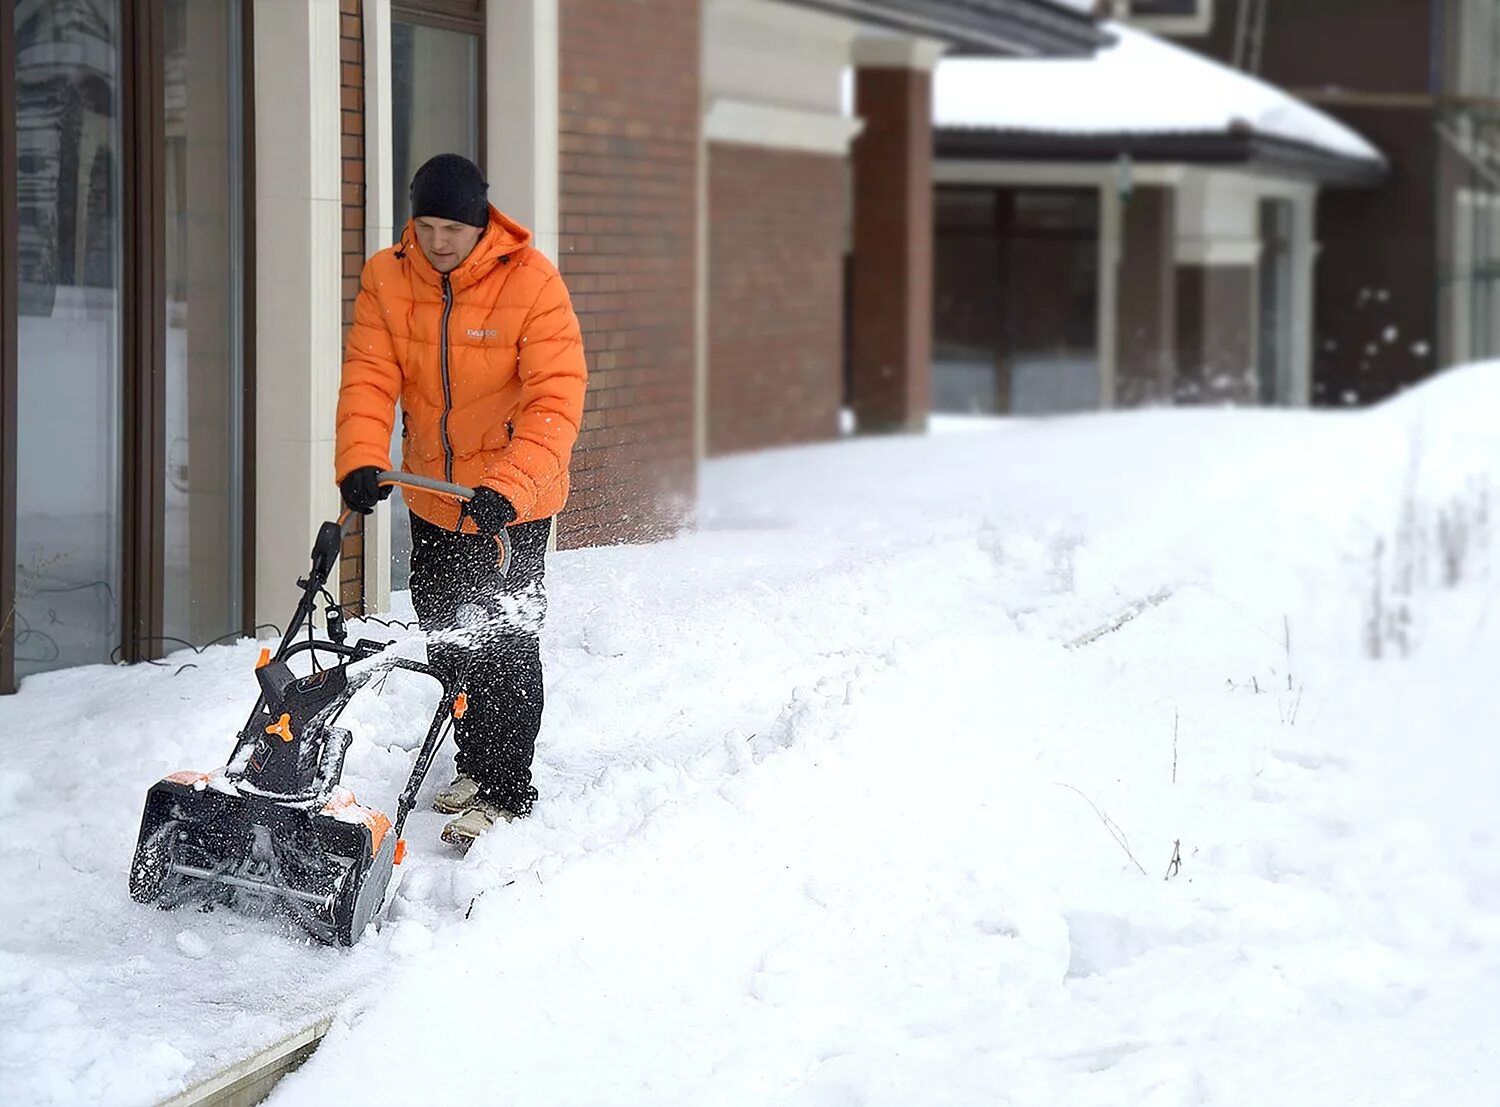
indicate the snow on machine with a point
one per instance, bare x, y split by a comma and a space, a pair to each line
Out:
273, 829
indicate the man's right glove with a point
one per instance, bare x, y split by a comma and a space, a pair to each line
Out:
362, 490
490, 511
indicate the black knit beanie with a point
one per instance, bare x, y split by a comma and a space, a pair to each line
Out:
450, 186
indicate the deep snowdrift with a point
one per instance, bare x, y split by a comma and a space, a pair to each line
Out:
832, 813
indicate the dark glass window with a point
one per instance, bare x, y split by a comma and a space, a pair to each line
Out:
204, 507
69, 334
128, 301
1016, 287
434, 101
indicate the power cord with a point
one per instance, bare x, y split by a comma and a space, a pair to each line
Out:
116, 658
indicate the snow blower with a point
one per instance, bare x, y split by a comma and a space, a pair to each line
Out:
273, 830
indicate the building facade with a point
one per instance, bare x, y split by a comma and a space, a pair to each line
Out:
1140, 229
190, 188
1408, 279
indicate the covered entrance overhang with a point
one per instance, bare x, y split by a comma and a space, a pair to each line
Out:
1157, 246
893, 49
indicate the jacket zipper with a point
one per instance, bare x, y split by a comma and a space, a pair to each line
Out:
447, 387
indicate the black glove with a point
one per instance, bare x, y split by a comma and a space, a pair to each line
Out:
490, 511
361, 491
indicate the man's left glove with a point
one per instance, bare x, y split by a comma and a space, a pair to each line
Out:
362, 490
490, 511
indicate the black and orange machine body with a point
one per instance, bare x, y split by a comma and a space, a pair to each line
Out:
273, 831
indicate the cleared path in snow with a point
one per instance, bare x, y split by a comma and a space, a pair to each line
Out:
802, 836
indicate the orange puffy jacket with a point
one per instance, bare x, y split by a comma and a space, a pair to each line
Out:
487, 363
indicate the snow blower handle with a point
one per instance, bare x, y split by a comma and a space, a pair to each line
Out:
454, 492
425, 484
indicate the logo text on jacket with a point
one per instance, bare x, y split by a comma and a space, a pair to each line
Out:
474, 332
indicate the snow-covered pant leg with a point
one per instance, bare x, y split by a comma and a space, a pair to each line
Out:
487, 631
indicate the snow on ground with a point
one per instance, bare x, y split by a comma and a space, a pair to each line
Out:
831, 813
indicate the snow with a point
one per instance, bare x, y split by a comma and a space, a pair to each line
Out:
1141, 85
850, 797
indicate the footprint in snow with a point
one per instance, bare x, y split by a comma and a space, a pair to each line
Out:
1308, 760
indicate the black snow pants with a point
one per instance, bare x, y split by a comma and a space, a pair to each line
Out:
484, 631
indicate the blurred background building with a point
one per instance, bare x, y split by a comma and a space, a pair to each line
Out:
778, 219
1136, 227
1408, 275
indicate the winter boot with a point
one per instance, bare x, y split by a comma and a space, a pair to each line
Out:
458, 797
480, 815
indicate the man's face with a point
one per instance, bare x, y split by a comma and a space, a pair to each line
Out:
446, 243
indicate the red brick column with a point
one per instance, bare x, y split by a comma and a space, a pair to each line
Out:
776, 296
891, 282
629, 124
352, 160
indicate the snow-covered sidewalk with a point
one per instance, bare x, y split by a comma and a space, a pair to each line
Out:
832, 813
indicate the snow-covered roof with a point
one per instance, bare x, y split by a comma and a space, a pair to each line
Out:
1140, 85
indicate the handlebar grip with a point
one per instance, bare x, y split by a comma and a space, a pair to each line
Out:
425, 484
444, 488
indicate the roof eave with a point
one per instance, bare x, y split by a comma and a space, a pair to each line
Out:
1239, 148
1001, 28
1315, 163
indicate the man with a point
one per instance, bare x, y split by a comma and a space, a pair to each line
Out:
471, 329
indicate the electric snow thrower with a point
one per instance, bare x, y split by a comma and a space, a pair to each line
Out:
273, 829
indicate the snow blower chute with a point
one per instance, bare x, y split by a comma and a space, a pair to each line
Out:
273, 828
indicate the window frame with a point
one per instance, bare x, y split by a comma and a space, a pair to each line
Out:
142, 353
466, 17
8, 366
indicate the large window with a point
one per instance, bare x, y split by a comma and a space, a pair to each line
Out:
436, 108
1016, 300
123, 296
1469, 193
204, 505
435, 99
68, 333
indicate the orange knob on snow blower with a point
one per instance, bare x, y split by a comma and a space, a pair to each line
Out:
282, 727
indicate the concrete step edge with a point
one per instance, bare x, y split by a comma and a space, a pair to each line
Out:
249, 1081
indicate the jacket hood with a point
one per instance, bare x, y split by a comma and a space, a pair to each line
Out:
502, 238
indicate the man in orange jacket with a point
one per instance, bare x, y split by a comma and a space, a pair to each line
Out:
471, 329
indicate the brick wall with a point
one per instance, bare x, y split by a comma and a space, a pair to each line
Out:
776, 296
352, 140
629, 126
